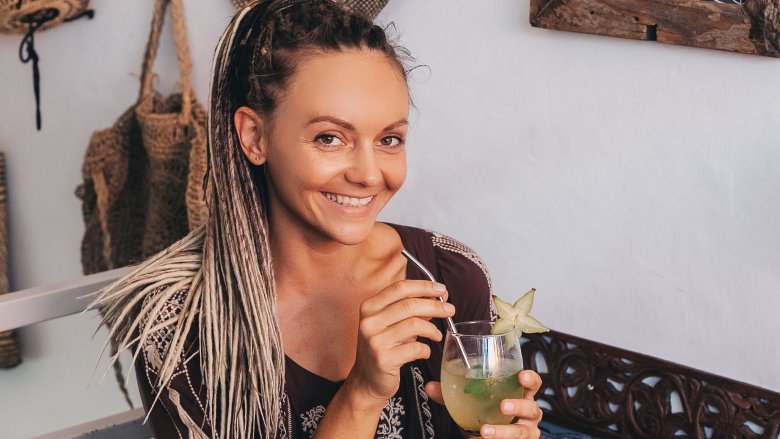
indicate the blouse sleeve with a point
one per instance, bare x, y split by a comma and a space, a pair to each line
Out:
179, 411
466, 276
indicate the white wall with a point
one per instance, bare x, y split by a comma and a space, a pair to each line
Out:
89, 76
635, 185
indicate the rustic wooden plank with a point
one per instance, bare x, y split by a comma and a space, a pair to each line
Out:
752, 28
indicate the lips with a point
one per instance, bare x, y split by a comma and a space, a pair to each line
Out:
346, 200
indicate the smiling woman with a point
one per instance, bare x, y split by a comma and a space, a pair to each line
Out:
337, 135
293, 312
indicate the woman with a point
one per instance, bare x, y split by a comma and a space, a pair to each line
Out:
293, 312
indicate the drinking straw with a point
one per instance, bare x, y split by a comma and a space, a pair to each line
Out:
450, 323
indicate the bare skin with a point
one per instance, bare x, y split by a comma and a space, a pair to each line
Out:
339, 130
317, 312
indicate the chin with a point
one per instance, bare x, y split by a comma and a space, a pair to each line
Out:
350, 234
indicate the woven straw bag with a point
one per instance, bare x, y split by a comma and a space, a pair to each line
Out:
370, 8
9, 348
143, 177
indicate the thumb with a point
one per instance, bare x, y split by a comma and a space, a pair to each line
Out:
433, 389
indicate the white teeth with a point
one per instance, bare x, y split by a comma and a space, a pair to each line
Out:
348, 201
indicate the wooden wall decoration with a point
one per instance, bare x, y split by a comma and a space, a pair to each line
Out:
745, 26
613, 393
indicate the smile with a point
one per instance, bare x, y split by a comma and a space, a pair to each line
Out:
348, 201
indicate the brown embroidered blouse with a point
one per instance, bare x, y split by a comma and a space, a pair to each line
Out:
179, 412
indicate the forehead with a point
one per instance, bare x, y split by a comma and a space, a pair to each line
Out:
356, 85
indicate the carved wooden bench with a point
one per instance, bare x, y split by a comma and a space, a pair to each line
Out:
609, 392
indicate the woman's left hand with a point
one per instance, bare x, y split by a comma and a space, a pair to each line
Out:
526, 409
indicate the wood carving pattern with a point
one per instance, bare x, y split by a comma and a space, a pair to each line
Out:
614, 393
749, 26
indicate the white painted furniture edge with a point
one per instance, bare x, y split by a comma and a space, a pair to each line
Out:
119, 426
39, 304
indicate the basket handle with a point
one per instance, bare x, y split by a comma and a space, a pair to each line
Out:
179, 30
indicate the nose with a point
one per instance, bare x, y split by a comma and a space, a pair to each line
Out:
364, 169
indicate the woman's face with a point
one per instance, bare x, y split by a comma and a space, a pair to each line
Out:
335, 148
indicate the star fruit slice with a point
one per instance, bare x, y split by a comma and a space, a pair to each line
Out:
516, 316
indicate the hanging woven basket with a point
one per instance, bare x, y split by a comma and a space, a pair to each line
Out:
371, 8
16, 15
10, 355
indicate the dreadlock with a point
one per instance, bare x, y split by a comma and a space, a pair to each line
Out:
225, 266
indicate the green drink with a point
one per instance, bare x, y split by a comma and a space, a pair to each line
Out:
473, 398
474, 386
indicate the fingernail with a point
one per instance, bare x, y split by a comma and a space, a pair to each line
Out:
509, 406
488, 431
439, 287
450, 308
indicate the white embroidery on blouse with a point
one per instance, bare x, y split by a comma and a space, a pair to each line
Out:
193, 430
158, 342
285, 418
390, 422
311, 419
453, 245
422, 404
493, 311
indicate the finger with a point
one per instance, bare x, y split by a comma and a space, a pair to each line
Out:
407, 352
513, 431
433, 389
401, 290
410, 329
531, 381
405, 320
411, 307
525, 409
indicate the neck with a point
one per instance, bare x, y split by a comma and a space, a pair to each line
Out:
303, 258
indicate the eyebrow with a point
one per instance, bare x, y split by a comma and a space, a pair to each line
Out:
348, 126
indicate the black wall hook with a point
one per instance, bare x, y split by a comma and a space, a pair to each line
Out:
35, 20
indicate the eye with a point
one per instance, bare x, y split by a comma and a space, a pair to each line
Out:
328, 140
391, 141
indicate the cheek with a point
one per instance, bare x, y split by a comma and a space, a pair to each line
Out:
296, 171
395, 173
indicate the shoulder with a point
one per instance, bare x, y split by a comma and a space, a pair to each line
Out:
153, 296
455, 264
451, 250
159, 313
152, 313
466, 276
449, 254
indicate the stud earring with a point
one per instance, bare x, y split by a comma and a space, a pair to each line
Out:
257, 158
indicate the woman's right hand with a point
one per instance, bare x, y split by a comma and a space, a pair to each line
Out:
390, 323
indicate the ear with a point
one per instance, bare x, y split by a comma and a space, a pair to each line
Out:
251, 133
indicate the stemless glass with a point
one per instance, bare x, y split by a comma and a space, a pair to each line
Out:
472, 393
